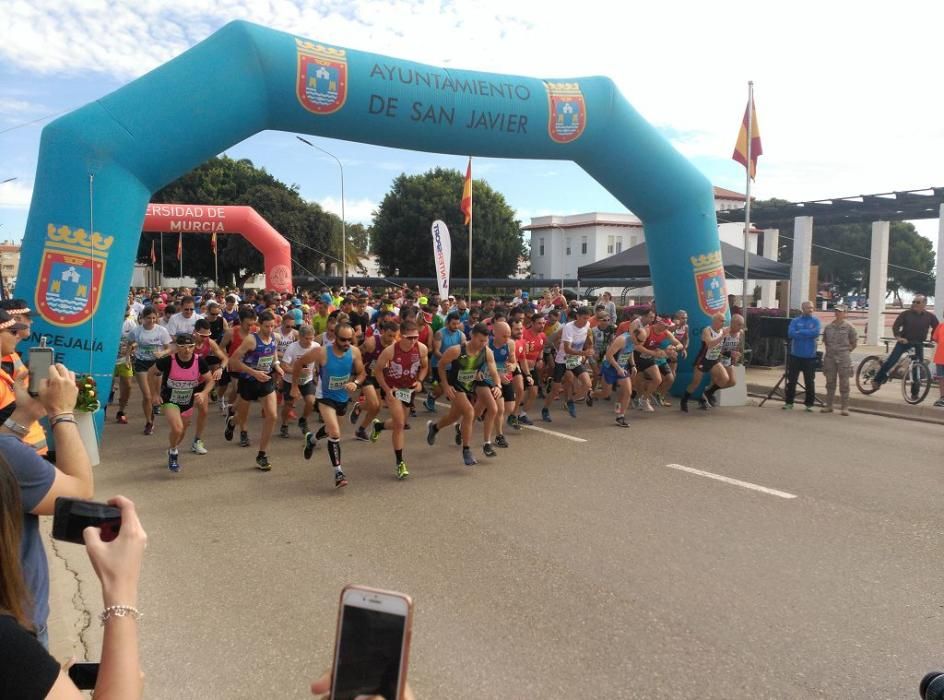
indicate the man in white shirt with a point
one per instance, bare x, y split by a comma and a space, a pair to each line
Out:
573, 351
185, 320
307, 382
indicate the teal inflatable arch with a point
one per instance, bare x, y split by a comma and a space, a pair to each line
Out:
99, 165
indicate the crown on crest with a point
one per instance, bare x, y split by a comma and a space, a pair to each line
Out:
319, 50
79, 237
706, 262
562, 87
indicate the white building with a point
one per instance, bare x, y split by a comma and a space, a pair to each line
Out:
562, 244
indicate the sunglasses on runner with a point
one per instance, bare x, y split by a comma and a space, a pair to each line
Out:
344, 340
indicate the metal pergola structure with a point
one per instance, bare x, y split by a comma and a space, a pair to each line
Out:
858, 209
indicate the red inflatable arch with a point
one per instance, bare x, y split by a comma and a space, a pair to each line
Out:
198, 218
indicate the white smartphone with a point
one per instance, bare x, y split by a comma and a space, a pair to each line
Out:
372, 645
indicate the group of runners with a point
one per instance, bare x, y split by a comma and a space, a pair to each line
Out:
379, 360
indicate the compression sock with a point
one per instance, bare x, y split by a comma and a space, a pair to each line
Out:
334, 452
399, 454
321, 434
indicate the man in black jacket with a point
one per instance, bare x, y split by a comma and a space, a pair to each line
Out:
910, 330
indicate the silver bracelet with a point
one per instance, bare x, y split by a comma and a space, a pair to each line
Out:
119, 611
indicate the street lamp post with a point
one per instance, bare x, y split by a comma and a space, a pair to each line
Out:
343, 227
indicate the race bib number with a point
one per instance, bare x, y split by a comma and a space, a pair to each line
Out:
338, 383
404, 395
573, 361
624, 358
466, 376
264, 364
146, 352
182, 396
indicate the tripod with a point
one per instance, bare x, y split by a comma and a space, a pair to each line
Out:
781, 393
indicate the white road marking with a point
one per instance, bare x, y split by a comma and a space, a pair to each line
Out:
733, 482
563, 436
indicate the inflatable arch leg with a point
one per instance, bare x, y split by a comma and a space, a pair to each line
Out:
99, 164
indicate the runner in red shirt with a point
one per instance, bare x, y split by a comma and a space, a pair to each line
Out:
521, 377
399, 371
534, 339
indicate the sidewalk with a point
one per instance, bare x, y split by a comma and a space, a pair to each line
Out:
887, 401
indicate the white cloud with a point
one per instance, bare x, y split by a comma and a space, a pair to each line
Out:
15, 195
355, 210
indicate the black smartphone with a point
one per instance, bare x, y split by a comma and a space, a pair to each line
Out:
73, 515
84, 674
372, 649
40, 359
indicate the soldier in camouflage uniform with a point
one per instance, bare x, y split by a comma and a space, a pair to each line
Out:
839, 340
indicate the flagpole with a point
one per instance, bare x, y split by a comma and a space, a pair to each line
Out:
180, 243
470, 232
216, 261
747, 203
162, 259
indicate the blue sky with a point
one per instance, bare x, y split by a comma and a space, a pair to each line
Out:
841, 112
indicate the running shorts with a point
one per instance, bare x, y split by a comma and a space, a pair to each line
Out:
252, 390
340, 407
306, 389
141, 366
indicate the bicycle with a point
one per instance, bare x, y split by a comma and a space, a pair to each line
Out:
914, 374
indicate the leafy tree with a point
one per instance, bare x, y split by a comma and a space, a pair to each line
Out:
313, 233
401, 238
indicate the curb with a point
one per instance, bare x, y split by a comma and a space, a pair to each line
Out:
919, 414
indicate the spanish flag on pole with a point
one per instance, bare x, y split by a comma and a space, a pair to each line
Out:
466, 205
749, 130
153, 254
180, 246
213, 243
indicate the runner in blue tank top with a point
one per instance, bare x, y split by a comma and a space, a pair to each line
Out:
340, 372
256, 361
446, 337
616, 372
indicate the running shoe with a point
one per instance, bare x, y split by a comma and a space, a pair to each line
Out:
303, 425
148, 428
713, 400
458, 435
683, 404
431, 433
621, 421
546, 415
156, 410
197, 447
355, 413
501, 441
243, 439
704, 405
412, 412
572, 409
172, 462
406, 426
939, 403
589, 399
845, 411
468, 458
524, 420
662, 401
223, 406
826, 409
488, 450
361, 434
647, 406
230, 428
402, 471
311, 442
292, 415
120, 417
513, 422
283, 431
809, 409
787, 407
262, 462
339, 479
375, 427
636, 403
430, 403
